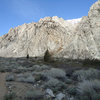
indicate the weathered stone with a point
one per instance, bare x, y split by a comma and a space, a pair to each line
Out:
50, 92
60, 96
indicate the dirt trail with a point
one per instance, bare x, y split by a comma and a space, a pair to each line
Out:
2, 85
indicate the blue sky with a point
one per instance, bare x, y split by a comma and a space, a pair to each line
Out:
18, 12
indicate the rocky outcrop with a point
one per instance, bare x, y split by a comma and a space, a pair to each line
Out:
50, 33
76, 39
88, 40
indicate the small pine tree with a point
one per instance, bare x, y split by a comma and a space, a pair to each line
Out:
47, 56
27, 56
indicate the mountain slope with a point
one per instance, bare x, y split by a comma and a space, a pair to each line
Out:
50, 33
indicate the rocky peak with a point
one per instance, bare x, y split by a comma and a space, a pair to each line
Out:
47, 22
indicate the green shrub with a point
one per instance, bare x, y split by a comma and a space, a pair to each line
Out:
39, 68
38, 77
55, 73
10, 96
72, 90
92, 62
89, 74
34, 95
51, 83
47, 56
26, 79
55, 85
89, 90
2, 70
10, 77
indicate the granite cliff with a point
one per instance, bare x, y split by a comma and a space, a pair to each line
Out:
76, 39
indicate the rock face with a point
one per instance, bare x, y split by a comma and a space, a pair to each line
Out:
78, 38
52, 33
88, 40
